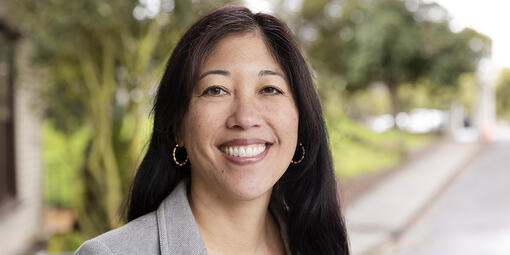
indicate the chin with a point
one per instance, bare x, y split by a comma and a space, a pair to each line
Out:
247, 189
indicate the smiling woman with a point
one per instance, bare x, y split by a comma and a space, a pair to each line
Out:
242, 120
238, 162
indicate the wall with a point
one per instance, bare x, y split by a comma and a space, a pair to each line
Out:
20, 220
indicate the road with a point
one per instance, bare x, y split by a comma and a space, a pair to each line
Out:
471, 216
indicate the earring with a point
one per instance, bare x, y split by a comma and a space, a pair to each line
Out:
302, 155
175, 158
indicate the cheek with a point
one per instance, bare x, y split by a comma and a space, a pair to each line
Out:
199, 124
285, 118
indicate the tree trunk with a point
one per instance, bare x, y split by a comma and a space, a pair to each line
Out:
395, 103
395, 109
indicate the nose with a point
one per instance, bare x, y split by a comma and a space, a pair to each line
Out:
245, 113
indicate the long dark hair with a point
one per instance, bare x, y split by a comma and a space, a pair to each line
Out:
306, 195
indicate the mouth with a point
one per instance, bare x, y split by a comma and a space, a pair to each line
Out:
245, 151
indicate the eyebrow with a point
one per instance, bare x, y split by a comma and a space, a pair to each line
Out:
227, 73
220, 72
269, 72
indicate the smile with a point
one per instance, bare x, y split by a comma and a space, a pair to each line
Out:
245, 151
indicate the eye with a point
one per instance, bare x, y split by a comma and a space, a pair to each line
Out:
214, 91
271, 91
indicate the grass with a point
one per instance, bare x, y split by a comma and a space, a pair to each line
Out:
356, 150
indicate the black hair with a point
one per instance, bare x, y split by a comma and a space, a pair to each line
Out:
306, 195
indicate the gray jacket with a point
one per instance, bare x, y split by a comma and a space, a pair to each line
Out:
171, 229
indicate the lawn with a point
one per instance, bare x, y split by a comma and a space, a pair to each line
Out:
357, 150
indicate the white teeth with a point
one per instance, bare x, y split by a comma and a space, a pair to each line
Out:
244, 151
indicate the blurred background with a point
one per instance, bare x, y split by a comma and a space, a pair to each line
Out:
416, 95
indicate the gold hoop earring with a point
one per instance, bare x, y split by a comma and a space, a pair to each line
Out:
175, 158
302, 155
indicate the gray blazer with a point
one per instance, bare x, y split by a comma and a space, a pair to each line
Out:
171, 229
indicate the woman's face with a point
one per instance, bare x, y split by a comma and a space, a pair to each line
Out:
241, 128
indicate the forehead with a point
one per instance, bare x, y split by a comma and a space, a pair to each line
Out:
246, 50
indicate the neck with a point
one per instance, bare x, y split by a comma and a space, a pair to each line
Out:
230, 226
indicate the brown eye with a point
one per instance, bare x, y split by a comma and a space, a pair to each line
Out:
271, 91
214, 91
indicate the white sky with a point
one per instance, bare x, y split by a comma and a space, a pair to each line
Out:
490, 17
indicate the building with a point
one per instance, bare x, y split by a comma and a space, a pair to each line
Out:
21, 198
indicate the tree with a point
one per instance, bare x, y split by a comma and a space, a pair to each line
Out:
503, 95
104, 59
389, 41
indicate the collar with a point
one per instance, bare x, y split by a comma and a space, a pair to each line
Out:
178, 231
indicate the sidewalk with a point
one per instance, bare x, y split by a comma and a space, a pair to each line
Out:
382, 213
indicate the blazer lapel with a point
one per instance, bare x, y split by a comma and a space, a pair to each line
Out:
178, 231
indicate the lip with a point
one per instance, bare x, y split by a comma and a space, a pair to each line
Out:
245, 160
245, 142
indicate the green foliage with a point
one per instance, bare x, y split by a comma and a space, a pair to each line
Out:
468, 88
425, 94
65, 242
371, 41
503, 95
373, 101
103, 65
62, 158
357, 150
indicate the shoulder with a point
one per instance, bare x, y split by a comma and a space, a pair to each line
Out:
139, 236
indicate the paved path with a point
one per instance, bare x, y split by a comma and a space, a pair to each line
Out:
472, 216
384, 212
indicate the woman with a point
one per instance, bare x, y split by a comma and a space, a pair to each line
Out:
238, 161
